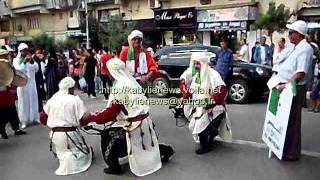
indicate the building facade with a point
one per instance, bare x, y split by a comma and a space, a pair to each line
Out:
21, 20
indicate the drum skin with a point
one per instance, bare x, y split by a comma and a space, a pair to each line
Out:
20, 79
6, 73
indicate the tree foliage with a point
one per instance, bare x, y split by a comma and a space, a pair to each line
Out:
114, 33
68, 43
43, 41
275, 19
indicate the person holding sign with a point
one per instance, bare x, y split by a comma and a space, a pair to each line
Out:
293, 70
208, 119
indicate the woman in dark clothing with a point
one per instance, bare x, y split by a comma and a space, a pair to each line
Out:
89, 73
51, 74
38, 58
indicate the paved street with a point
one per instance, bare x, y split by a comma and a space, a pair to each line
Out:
28, 157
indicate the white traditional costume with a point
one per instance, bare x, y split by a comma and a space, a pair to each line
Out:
206, 84
141, 140
64, 112
27, 95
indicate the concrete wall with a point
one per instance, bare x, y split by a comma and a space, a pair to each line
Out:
196, 3
24, 3
137, 9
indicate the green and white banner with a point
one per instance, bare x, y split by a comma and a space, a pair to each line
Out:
277, 117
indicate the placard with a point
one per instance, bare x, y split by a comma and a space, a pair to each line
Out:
277, 117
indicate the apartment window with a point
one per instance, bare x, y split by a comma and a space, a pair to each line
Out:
71, 14
5, 4
5, 26
33, 23
104, 15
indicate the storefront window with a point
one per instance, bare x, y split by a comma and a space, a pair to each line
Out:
183, 37
230, 36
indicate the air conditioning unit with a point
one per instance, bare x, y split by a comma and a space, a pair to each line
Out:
118, 2
154, 3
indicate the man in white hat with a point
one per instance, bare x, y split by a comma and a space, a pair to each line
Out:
293, 70
27, 95
62, 114
207, 111
139, 61
133, 129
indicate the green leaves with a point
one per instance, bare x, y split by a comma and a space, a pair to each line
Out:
43, 41
115, 32
275, 19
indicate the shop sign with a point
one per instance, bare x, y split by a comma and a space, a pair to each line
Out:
311, 3
230, 14
222, 25
175, 18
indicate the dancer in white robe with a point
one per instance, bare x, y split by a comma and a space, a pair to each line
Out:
144, 152
207, 112
27, 95
62, 114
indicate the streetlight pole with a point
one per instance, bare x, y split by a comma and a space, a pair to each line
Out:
87, 24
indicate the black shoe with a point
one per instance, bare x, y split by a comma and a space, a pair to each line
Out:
19, 132
202, 150
4, 136
114, 171
166, 152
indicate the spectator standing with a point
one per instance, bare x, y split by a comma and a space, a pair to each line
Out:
38, 58
105, 76
244, 51
315, 94
262, 54
51, 74
224, 58
89, 74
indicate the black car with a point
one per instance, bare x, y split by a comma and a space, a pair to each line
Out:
165, 51
248, 80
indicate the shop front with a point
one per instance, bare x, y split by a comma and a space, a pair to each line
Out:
310, 12
178, 26
231, 24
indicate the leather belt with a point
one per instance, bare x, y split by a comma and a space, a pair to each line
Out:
140, 117
64, 129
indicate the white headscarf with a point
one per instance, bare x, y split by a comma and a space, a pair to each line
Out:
209, 77
123, 79
21, 47
65, 84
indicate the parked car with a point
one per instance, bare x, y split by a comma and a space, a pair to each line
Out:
248, 80
165, 51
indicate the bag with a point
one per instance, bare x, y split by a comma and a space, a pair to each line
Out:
82, 83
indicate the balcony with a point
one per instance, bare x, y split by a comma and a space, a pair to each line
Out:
62, 4
93, 2
4, 8
28, 6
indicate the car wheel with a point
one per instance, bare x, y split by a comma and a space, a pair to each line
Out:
160, 84
239, 91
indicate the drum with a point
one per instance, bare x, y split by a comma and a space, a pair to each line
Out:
19, 79
6, 72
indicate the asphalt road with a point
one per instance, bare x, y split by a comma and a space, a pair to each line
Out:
28, 157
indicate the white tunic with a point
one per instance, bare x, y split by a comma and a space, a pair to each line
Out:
65, 110
200, 120
27, 95
244, 53
142, 162
298, 61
